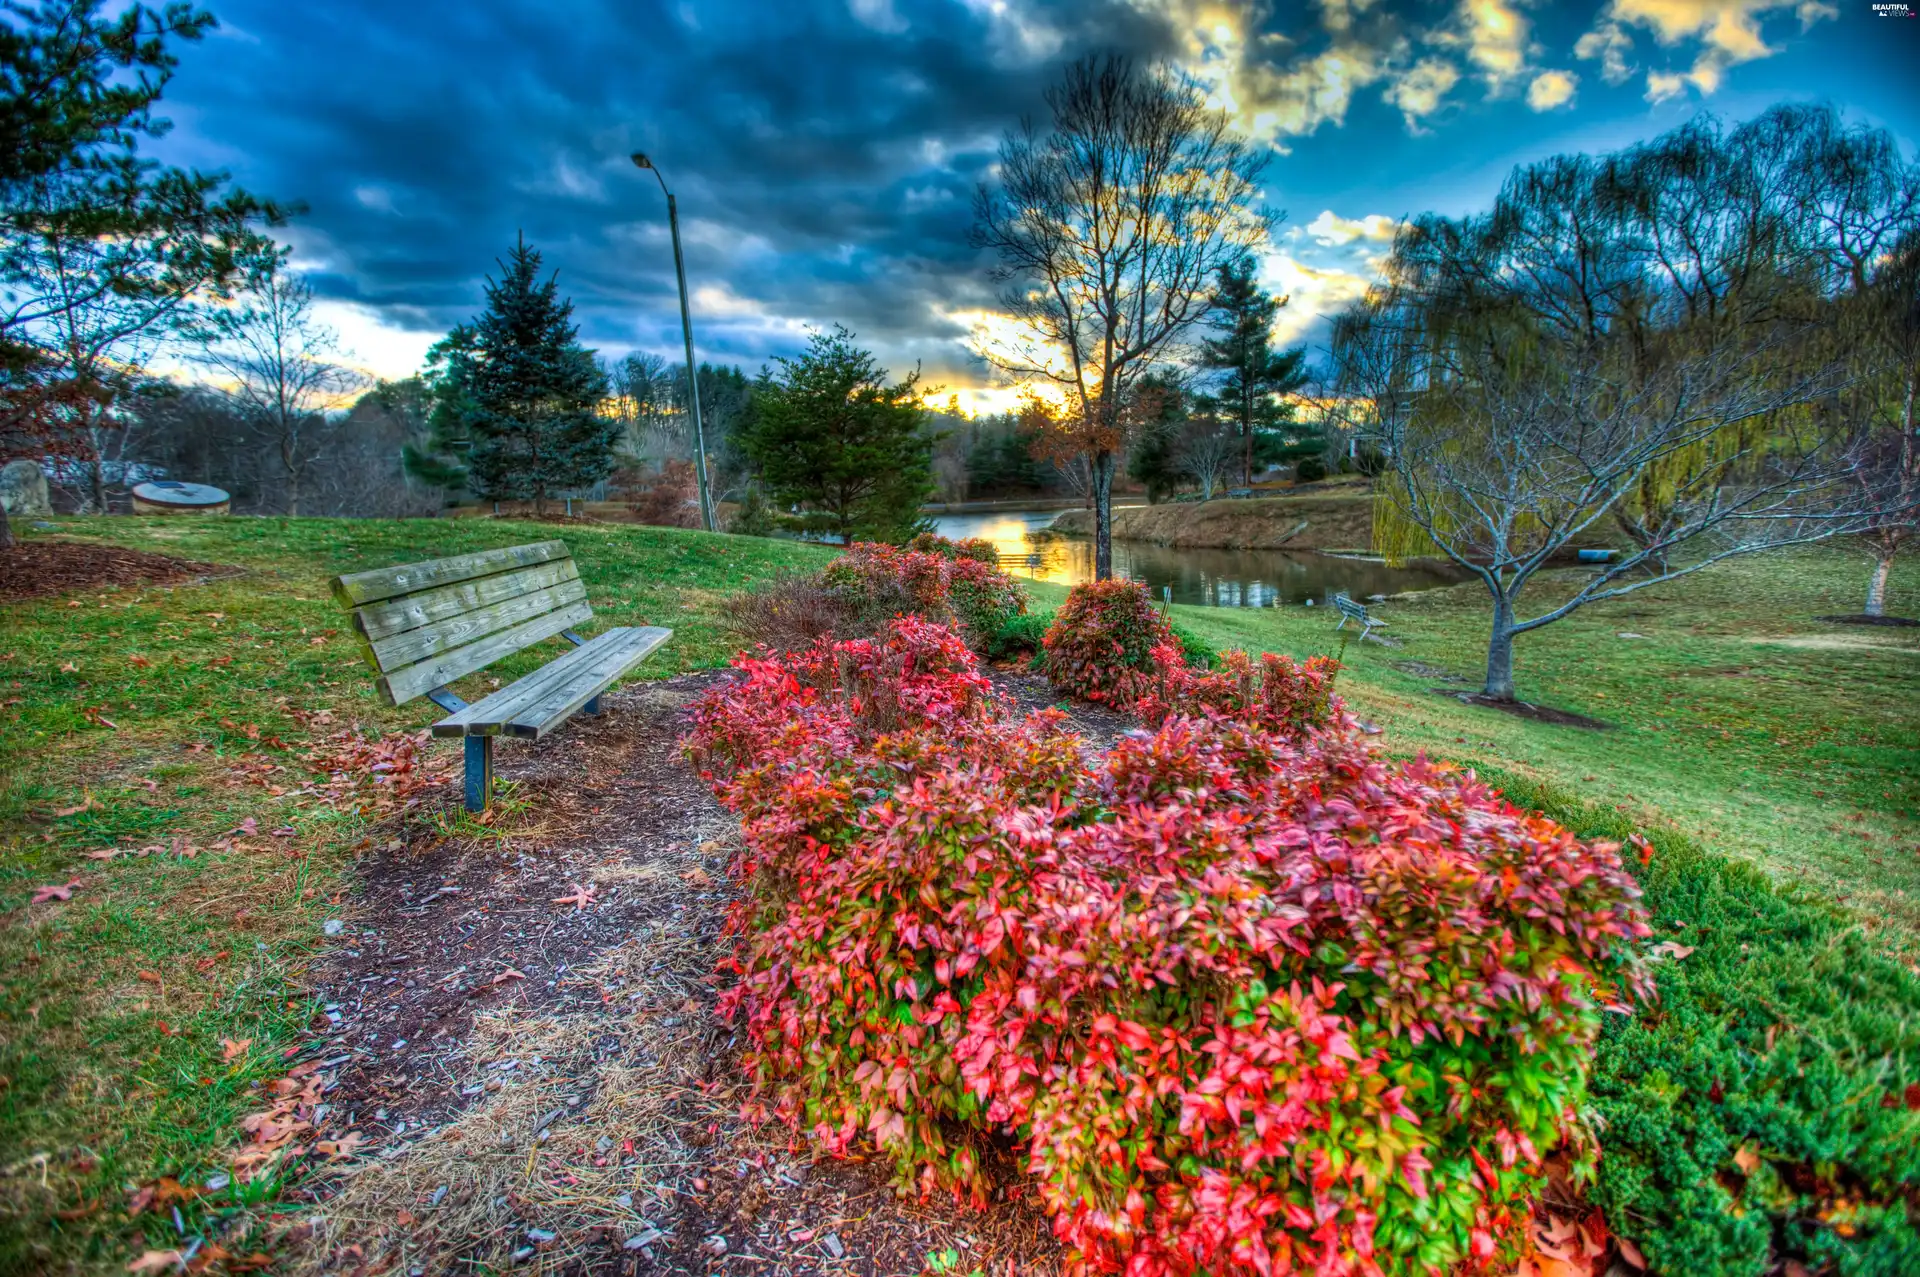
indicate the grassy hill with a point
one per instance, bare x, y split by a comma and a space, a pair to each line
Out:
166, 729
157, 721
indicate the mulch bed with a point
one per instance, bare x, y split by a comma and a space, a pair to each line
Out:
537, 1081
38, 569
1521, 709
1861, 618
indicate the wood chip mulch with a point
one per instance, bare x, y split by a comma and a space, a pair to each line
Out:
39, 569
463, 964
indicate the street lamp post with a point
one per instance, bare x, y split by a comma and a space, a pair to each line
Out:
640, 160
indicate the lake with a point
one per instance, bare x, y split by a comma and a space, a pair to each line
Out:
1214, 578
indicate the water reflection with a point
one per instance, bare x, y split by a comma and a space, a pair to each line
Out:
1215, 578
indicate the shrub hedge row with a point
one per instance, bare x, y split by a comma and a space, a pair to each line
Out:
1766, 1108
1252, 998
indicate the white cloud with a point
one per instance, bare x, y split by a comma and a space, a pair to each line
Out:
1551, 89
1611, 44
1495, 37
1420, 91
1313, 293
1727, 31
1333, 230
878, 14
377, 198
371, 344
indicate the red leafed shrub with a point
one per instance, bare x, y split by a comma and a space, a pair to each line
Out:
1253, 1001
1100, 645
1275, 693
879, 581
979, 549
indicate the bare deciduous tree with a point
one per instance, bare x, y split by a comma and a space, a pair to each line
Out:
1205, 450
1110, 227
1533, 372
284, 367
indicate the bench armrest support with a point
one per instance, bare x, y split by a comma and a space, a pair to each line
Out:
446, 700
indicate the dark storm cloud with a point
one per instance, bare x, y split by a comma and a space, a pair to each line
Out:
824, 164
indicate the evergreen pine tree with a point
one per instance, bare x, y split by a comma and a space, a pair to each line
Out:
517, 398
1256, 376
1154, 462
828, 433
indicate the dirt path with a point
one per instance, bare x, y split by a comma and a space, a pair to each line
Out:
519, 1026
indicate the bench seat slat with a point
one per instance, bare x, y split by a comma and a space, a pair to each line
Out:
389, 617
552, 694
483, 717
357, 588
564, 700
413, 646
402, 685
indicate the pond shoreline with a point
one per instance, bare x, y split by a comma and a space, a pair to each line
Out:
1336, 518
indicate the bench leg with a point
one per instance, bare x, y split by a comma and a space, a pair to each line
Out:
592, 707
479, 772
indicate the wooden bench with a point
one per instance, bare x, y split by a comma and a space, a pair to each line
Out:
1351, 611
423, 625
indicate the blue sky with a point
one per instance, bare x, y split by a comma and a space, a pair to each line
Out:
824, 153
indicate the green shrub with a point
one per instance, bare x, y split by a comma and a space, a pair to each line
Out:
1310, 470
1199, 653
1020, 636
1767, 1108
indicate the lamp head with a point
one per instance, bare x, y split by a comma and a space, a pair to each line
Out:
640, 160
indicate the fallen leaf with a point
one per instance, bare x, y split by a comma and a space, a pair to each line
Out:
508, 974
1631, 1253
335, 1149
579, 898
1747, 1160
1672, 949
697, 877
43, 894
231, 1050
139, 662
68, 667
85, 804
157, 1259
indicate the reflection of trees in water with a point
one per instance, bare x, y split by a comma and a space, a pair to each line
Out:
1217, 578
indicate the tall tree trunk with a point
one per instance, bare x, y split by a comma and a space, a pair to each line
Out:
1877, 583
1500, 651
99, 485
1102, 466
6, 530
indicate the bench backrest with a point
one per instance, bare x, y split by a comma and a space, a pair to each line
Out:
422, 625
1349, 607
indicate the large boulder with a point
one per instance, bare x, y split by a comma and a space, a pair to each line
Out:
23, 490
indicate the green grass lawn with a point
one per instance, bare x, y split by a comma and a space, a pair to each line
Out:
114, 1005
1738, 719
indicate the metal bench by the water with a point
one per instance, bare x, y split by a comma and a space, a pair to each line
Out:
423, 625
1351, 611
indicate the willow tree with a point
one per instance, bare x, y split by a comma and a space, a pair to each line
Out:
1110, 226
1569, 363
1860, 199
